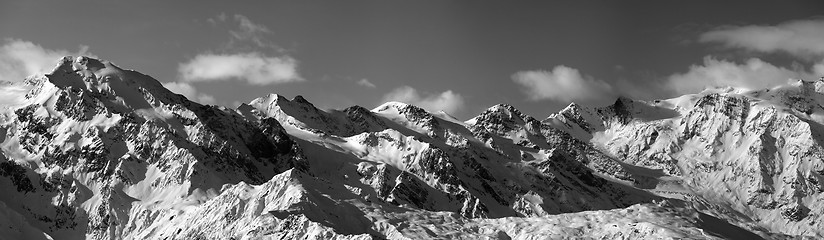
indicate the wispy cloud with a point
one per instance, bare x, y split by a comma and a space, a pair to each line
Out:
217, 19
800, 38
563, 84
803, 39
254, 68
244, 31
20, 59
251, 31
251, 64
753, 73
366, 83
189, 92
447, 101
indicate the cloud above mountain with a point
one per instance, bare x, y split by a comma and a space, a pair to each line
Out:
20, 59
563, 84
753, 73
254, 68
447, 101
801, 38
248, 56
366, 83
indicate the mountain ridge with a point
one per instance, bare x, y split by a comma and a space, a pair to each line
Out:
95, 151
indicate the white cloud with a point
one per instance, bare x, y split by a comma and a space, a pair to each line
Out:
366, 83
254, 68
243, 58
447, 101
189, 92
754, 73
20, 59
563, 84
801, 38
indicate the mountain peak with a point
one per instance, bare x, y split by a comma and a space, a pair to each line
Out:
391, 104
300, 99
572, 108
503, 107
91, 71
99, 81
503, 118
503, 110
273, 99
269, 98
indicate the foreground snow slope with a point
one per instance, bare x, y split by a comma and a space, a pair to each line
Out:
311, 208
94, 151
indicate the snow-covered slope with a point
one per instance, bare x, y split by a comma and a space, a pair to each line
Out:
94, 151
754, 154
91, 147
301, 114
439, 164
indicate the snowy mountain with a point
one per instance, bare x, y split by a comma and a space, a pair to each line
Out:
93, 151
754, 154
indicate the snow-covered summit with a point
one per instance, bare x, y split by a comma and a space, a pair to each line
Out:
301, 115
100, 142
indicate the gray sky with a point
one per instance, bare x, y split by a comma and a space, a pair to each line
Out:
461, 56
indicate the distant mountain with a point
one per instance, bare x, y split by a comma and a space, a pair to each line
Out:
92, 151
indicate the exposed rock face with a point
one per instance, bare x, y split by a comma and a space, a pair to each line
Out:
94, 151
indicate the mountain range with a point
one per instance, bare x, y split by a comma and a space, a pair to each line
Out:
94, 151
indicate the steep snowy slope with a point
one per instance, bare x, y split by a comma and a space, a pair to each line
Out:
92, 147
438, 164
302, 115
755, 154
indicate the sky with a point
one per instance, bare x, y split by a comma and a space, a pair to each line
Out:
458, 56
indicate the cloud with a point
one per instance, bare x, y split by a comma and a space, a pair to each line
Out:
366, 83
20, 59
189, 92
246, 31
243, 58
753, 73
251, 31
219, 18
447, 101
800, 38
563, 84
254, 68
